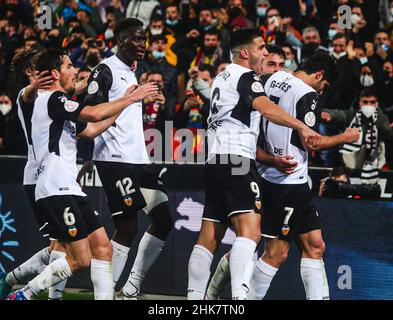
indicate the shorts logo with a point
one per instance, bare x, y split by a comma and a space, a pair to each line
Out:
128, 201
72, 231
257, 87
93, 87
71, 106
258, 204
285, 229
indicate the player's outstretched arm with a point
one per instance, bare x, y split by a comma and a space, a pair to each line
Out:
349, 136
106, 110
277, 115
284, 164
133, 94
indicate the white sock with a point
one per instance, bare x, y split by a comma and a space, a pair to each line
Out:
29, 268
219, 279
325, 287
102, 278
198, 272
148, 251
56, 291
54, 273
241, 266
311, 271
261, 278
119, 259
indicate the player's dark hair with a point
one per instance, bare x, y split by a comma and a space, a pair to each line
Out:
320, 61
276, 50
23, 60
123, 25
244, 37
50, 59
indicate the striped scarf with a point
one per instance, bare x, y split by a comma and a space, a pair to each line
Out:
369, 139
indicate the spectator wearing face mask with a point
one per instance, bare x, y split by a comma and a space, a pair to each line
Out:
157, 27
156, 59
201, 79
5, 109
368, 153
173, 21
261, 7
210, 52
290, 57
278, 30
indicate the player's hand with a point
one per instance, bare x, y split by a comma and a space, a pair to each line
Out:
41, 80
88, 167
352, 135
310, 137
285, 164
141, 92
325, 116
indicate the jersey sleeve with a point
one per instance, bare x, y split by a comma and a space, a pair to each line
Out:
99, 84
61, 107
308, 110
250, 87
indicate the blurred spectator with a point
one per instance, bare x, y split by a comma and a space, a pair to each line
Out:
368, 154
173, 21
278, 30
210, 52
5, 109
142, 10
201, 80
156, 59
261, 10
338, 174
290, 57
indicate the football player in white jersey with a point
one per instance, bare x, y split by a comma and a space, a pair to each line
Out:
274, 62
22, 66
65, 209
289, 210
232, 196
130, 181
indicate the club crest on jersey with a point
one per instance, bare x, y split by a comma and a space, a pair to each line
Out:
71, 106
128, 201
310, 119
285, 229
93, 87
257, 87
72, 231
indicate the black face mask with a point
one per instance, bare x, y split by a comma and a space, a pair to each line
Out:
92, 60
210, 50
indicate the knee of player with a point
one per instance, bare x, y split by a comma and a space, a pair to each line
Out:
276, 257
102, 251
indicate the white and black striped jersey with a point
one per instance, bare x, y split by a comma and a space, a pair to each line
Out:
54, 130
233, 124
25, 111
300, 101
124, 141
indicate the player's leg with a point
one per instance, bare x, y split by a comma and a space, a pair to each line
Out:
58, 251
152, 241
241, 265
312, 267
124, 199
210, 236
220, 278
275, 254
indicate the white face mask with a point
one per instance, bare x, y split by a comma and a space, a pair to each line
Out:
156, 31
354, 18
366, 80
363, 60
288, 63
369, 110
5, 108
109, 34
332, 33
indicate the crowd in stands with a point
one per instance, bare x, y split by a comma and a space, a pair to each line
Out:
188, 45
